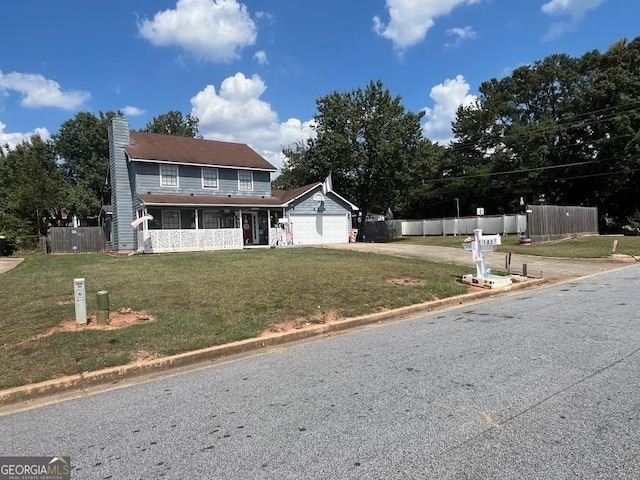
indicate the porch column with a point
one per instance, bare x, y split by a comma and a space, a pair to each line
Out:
269, 227
197, 226
145, 229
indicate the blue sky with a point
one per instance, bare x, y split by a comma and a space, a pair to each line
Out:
251, 71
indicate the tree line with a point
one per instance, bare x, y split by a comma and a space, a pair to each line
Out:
47, 182
563, 130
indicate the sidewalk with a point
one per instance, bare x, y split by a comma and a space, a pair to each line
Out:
7, 263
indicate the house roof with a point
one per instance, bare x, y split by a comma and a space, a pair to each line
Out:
195, 151
210, 200
291, 195
278, 198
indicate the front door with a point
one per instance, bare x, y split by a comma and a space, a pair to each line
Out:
248, 228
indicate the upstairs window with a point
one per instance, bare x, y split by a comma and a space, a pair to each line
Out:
245, 180
209, 177
169, 175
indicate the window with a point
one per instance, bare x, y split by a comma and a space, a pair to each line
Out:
169, 175
171, 219
209, 177
210, 219
245, 180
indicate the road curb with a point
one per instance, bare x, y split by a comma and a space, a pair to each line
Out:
114, 375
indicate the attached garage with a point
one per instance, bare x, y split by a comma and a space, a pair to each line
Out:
314, 229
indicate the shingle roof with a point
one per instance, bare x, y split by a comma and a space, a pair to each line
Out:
278, 198
187, 150
209, 200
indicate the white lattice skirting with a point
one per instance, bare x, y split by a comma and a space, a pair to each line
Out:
166, 241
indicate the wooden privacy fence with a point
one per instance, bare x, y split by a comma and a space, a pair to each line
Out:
77, 240
553, 222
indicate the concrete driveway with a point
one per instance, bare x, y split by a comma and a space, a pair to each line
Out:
7, 263
544, 267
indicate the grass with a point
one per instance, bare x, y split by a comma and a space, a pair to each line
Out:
582, 247
198, 300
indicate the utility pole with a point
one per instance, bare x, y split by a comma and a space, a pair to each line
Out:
457, 208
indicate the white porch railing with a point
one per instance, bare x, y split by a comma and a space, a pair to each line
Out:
166, 241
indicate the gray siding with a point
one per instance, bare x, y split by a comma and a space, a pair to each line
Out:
332, 204
122, 235
147, 179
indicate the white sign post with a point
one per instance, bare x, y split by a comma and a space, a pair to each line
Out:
79, 291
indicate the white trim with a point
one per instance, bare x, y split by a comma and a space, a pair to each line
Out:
207, 187
353, 207
212, 205
240, 189
177, 185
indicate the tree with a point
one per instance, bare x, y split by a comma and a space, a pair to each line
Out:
366, 140
82, 144
299, 169
173, 123
563, 130
612, 115
32, 184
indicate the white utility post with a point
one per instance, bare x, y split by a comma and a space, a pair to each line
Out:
79, 291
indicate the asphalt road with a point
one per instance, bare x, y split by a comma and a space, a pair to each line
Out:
542, 384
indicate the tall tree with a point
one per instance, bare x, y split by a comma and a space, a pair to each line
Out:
173, 123
33, 186
366, 140
612, 120
82, 144
563, 130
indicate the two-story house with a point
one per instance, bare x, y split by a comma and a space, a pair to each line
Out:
177, 194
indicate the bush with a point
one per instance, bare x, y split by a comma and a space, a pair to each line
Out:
8, 245
633, 227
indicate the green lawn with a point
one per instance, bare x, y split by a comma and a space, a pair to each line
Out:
197, 299
583, 247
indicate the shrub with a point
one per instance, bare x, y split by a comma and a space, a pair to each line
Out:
633, 227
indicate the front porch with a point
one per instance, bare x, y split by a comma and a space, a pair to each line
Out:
176, 229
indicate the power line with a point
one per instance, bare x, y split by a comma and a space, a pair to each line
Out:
524, 170
537, 129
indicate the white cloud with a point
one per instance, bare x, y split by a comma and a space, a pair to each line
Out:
15, 139
574, 9
130, 111
461, 34
411, 19
448, 96
37, 91
264, 15
260, 57
237, 114
213, 30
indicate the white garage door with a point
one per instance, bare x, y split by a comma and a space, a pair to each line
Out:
317, 229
